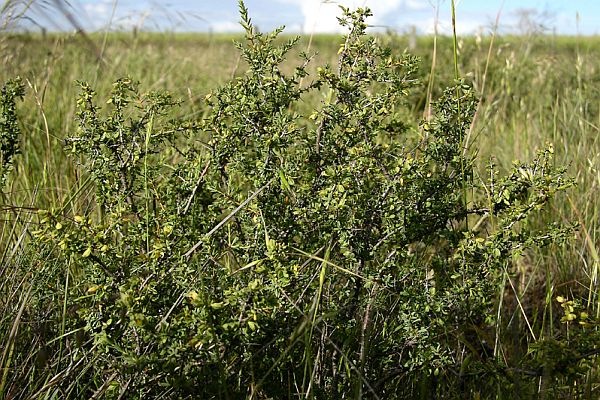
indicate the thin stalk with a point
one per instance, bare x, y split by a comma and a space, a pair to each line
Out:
146, 193
458, 109
7, 354
484, 78
455, 44
64, 310
427, 112
105, 40
309, 367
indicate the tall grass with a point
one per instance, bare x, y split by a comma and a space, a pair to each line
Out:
535, 90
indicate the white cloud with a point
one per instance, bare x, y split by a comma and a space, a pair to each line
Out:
99, 16
98, 13
444, 26
320, 15
95, 10
416, 5
225, 26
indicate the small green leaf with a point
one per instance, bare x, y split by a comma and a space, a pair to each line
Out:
87, 252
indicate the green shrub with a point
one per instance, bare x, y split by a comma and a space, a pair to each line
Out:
263, 253
9, 128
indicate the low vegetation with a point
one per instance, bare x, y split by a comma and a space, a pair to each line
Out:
339, 221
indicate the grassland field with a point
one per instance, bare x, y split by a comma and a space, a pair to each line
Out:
533, 90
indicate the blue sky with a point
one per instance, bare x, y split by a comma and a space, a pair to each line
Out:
305, 16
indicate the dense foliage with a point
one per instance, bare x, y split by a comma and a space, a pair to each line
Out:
9, 129
263, 253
